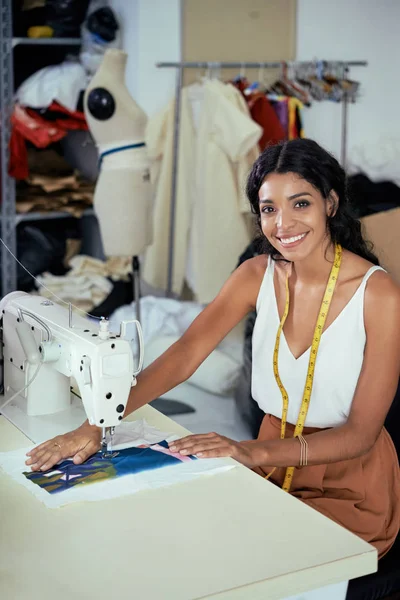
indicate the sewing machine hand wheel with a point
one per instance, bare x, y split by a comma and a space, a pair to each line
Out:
124, 325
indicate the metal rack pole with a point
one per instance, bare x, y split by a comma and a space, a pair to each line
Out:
180, 66
345, 113
175, 158
253, 65
8, 224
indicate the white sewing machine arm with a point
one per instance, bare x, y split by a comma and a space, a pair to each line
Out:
38, 336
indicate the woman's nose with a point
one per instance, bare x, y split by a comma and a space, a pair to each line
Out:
284, 219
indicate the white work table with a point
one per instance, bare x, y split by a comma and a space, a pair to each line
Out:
232, 536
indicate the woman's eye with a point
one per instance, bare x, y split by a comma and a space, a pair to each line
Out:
268, 209
302, 204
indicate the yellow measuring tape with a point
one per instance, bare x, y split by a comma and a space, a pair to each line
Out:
323, 312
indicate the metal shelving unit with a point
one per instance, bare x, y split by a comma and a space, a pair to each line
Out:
8, 212
9, 217
45, 41
56, 214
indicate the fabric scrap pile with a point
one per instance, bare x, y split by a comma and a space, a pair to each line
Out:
88, 282
44, 193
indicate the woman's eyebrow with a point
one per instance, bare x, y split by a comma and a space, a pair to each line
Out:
293, 197
298, 195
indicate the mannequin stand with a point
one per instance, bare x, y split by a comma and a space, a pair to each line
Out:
136, 285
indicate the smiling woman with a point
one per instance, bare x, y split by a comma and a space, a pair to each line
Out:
312, 182
326, 351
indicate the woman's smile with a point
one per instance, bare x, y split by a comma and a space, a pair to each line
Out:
292, 241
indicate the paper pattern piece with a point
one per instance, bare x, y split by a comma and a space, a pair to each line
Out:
125, 462
137, 434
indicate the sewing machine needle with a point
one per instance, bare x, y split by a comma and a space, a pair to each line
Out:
112, 429
104, 442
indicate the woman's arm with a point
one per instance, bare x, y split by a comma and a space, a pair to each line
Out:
375, 391
237, 297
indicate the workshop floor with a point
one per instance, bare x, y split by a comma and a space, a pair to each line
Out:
213, 413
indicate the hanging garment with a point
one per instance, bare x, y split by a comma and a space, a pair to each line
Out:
246, 162
263, 113
218, 231
215, 135
295, 129
159, 142
280, 106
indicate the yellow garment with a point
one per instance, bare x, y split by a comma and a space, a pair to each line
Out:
293, 105
215, 137
40, 31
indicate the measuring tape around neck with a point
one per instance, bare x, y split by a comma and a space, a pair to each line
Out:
323, 313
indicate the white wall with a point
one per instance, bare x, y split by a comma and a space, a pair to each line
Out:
358, 30
151, 33
127, 13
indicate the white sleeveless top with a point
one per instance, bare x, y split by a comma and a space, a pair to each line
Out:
339, 360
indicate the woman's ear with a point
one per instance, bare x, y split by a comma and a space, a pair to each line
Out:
332, 204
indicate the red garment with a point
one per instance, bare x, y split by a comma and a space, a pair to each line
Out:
27, 124
263, 113
70, 119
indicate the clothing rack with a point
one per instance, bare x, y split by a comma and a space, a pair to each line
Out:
216, 66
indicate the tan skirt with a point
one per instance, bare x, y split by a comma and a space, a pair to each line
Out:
361, 494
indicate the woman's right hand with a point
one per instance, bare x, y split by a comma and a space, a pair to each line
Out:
78, 445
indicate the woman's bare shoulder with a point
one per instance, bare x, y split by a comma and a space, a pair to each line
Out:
255, 267
356, 267
382, 292
249, 276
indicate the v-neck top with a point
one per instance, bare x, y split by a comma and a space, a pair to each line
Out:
338, 366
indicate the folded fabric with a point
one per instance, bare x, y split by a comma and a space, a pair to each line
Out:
62, 82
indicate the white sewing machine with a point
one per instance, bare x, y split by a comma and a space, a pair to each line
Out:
55, 361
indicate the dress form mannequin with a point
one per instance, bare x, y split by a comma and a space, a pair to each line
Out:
123, 193
122, 198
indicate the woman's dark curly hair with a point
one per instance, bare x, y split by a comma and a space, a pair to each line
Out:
318, 167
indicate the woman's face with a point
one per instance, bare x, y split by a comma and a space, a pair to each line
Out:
293, 215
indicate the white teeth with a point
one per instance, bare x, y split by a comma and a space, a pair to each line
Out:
292, 239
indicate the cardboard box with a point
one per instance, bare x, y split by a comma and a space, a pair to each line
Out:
383, 230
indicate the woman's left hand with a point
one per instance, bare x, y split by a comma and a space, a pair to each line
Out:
213, 445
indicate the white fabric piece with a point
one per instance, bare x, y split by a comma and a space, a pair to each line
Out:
379, 161
218, 374
163, 321
62, 83
168, 317
136, 433
159, 316
13, 463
